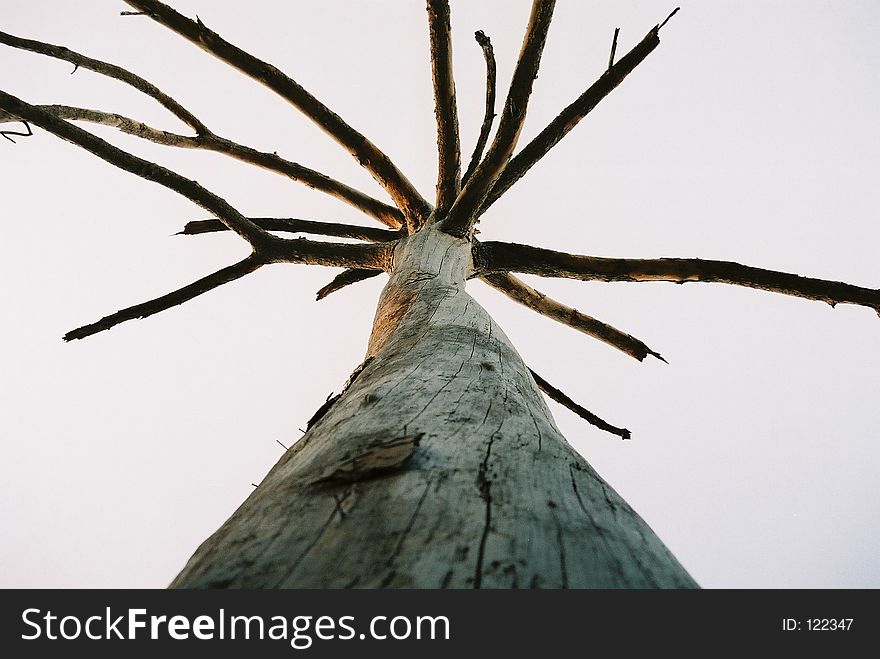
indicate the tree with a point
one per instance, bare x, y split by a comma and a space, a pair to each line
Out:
333, 475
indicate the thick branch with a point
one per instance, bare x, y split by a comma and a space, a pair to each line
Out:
527, 296
405, 196
137, 166
111, 70
294, 225
345, 278
570, 117
510, 257
448, 147
462, 215
581, 411
203, 285
489, 115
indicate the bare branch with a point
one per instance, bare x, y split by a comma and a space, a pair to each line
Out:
294, 225
383, 212
110, 70
462, 215
531, 153
173, 299
489, 116
404, 194
123, 123
448, 147
535, 300
388, 215
511, 257
344, 278
581, 411
137, 166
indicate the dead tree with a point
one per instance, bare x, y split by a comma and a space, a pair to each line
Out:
439, 464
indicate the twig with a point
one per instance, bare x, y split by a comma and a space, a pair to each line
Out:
7, 133
445, 111
613, 48
489, 116
511, 257
581, 411
379, 165
281, 445
463, 213
344, 278
203, 285
132, 13
532, 152
110, 70
519, 291
294, 225
666, 20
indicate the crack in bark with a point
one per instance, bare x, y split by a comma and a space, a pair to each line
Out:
618, 568
305, 552
396, 552
485, 487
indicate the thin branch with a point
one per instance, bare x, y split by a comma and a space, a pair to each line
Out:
445, 111
209, 141
519, 291
581, 411
379, 165
137, 166
385, 213
489, 116
110, 70
8, 133
123, 123
271, 248
511, 257
532, 152
203, 285
345, 278
463, 213
294, 225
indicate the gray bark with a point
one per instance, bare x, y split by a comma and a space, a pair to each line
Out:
439, 466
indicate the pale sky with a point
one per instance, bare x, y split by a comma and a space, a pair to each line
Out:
750, 134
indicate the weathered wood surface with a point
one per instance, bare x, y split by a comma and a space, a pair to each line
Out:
439, 466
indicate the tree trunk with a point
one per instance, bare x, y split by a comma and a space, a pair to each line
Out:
438, 466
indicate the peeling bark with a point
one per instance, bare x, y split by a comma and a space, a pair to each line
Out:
439, 466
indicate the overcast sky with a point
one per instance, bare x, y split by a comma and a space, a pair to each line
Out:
750, 134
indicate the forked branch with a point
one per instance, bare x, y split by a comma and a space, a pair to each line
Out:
204, 139
462, 215
532, 152
379, 165
203, 285
489, 115
138, 166
519, 291
110, 70
510, 257
448, 146
580, 410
